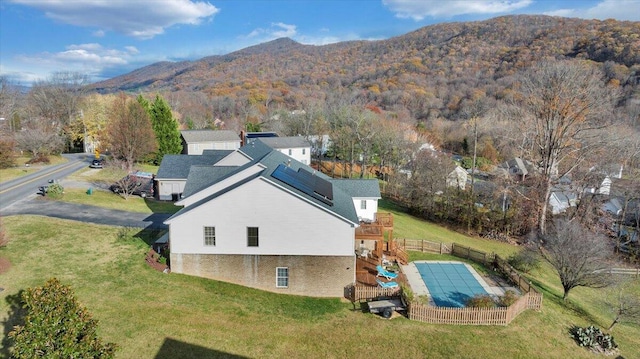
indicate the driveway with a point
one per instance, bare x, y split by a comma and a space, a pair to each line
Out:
86, 213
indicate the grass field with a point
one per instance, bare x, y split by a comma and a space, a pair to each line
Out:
154, 315
20, 169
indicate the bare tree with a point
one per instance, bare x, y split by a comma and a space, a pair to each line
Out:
579, 256
40, 139
624, 304
564, 107
129, 132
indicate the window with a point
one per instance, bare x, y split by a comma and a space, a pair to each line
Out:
363, 204
209, 236
290, 152
282, 277
252, 236
304, 151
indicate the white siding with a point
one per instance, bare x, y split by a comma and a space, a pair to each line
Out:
196, 148
287, 225
297, 154
371, 210
248, 172
168, 187
233, 159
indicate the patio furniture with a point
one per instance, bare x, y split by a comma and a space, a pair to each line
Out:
385, 273
387, 284
364, 253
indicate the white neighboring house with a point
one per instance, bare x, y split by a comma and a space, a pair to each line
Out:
457, 178
560, 201
365, 194
296, 147
196, 141
271, 223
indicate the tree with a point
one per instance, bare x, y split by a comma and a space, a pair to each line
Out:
165, 128
57, 326
129, 132
624, 304
57, 100
41, 139
563, 107
579, 255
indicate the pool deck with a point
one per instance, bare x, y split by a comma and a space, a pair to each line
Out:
419, 288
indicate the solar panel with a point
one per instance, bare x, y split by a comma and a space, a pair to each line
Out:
305, 182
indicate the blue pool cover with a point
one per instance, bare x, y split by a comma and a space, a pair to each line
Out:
449, 284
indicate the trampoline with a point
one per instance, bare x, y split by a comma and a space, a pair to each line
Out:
451, 284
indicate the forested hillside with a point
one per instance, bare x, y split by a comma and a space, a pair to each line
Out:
431, 73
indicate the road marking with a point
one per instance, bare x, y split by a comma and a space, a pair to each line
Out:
39, 177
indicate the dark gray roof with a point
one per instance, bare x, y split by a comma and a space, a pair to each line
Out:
255, 150
201, 177
361, 188
285, 142
341, 204
178, 166
193, 136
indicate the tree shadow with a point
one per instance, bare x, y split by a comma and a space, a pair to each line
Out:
16, 316
172, 348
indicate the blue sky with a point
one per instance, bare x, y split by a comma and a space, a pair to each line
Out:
107, 38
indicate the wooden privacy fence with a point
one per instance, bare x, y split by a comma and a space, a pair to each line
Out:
422, 245
473, 316
623, 271
356, 292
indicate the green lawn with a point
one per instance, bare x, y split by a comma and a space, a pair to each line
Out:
141, 309
20, 169
108, 199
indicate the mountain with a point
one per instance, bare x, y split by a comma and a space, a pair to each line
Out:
430, 71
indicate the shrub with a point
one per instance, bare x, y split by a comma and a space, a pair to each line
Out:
508, 298
525, 260
592, 337
56, 326
55, 191
481, 301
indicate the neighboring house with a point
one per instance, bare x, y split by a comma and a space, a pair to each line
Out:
174, 170
516, 168
457, 178
365, 194
320, 144
271, 223
296, 147
196, 141
560, 201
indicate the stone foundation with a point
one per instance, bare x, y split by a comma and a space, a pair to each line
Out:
317, 276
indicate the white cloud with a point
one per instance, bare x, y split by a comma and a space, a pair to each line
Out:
275, 31
419, 9
141, 19
91, 59
607, 9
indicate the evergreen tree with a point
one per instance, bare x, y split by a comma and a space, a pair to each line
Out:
57, 326
166, 129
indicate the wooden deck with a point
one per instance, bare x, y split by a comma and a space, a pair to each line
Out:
366, 271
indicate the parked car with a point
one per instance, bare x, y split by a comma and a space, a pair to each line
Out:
137, 185
97, 163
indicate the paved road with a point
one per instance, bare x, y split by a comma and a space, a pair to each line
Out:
86, 213
18, 197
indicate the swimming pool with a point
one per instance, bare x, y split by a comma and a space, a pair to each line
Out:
450, 284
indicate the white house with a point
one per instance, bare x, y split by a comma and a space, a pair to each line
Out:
271, 223
457, 178
365, 194
296, 147
196, 141
174, 170
560, 201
